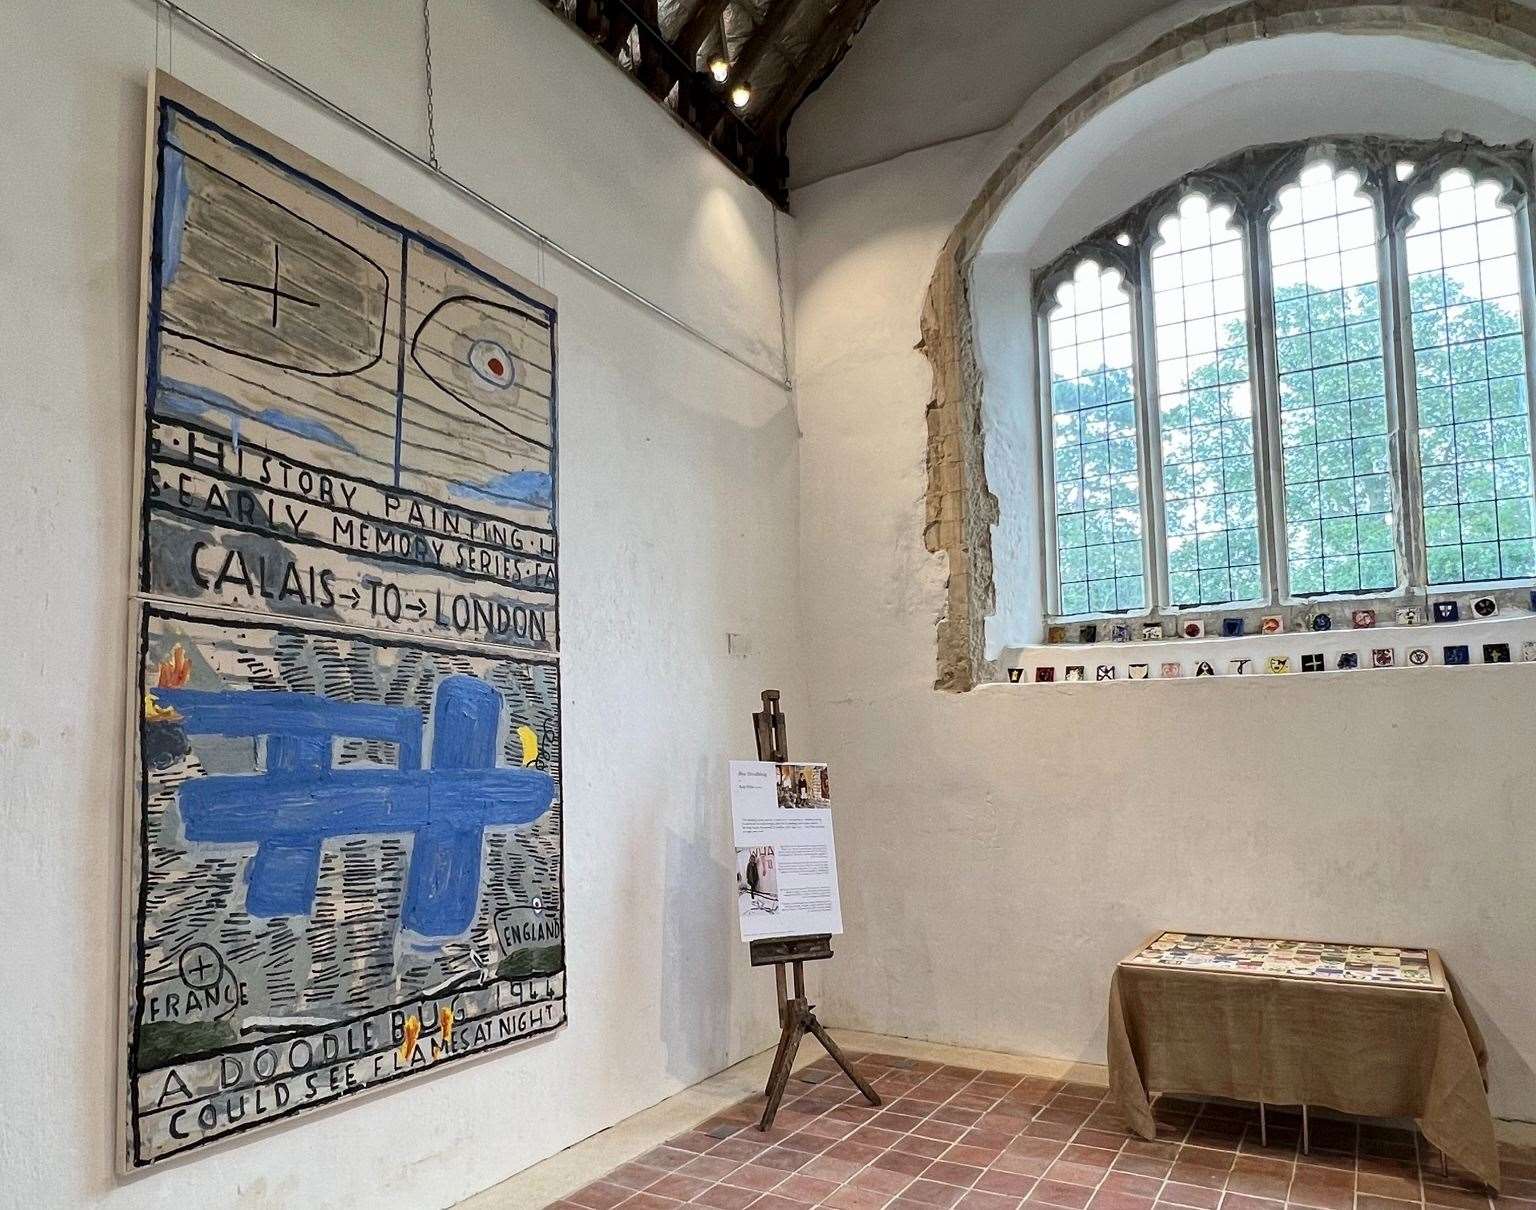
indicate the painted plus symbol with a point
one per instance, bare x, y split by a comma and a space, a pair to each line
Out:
275, 290
201, 966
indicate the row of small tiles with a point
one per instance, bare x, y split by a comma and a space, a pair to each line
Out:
1452, 655
1317, 620
989, 1140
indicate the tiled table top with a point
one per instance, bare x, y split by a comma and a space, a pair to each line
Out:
989, 1140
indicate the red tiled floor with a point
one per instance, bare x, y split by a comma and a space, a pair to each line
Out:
954, 1138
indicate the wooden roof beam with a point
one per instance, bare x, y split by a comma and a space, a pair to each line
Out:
818, 59
762, 39
696, 30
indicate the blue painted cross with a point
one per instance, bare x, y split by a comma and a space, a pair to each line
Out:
300, 800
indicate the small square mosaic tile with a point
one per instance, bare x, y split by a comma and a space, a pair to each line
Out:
959, 1138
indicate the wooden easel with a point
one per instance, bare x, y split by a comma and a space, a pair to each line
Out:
797, 1015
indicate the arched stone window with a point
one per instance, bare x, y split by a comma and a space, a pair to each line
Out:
1297, 374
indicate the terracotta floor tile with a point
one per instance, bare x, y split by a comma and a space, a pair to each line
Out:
1012, 1184
903, 1161
1045, 1149
1055, 1193
634, 1176
1454, 1197
709, 1167
1325, 1189
981, 1136
676, 1185
1198, 1174
951, 1173
1045, 1129
1198, 1197
966, 1153
1241, 1201
850, 1149
601, 1195
726, 1197
1151, 1147
806, 1188
917, 1144
1075, 1174
1110, 1199
650, 1201
738, 1148
772, 1201
783, 1160
1512, 1203
695, 1140
1403, 1187
750, 1176
1206, 1157
1141, 1165
1023, 1165
975, 1199
1255, 1177
830, 1168
851, 1198
951, 1132
1129, 1182
665, 1158
881, 1178
931, 1193
1367, 1201
1108, 1139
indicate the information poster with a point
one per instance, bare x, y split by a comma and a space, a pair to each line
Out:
786, 865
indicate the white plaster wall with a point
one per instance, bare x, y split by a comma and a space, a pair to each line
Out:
678, 514
1001, 849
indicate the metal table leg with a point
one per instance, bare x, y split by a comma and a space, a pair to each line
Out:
1306, 1138
1263, 1127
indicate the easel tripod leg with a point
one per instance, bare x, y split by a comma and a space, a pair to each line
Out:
859, 1082
783, 1061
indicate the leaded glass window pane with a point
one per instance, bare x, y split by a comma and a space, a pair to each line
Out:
1464, 273
1205, 406
1094, 444
1335, 457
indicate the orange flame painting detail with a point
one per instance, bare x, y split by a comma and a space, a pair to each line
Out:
412, 1031
445, 1024
175, 670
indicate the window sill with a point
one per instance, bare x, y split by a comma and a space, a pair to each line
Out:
1516, 631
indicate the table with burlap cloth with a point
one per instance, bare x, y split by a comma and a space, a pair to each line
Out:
1187, 1016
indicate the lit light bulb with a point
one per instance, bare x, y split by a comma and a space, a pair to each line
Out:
719, 67
741, 95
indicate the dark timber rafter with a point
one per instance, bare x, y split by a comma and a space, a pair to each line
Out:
805, 38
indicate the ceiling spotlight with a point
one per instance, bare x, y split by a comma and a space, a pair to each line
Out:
741, 95
719, 67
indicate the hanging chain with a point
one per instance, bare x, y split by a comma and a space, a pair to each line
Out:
426, 24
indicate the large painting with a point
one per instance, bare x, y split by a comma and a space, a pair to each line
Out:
344, 833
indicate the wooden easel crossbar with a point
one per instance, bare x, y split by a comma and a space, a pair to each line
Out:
797, 1016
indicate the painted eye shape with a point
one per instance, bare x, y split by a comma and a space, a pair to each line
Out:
492, 363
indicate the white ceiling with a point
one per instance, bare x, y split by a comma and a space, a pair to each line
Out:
923, 71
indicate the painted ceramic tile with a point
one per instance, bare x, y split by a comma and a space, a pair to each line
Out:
1044, 676
1278, 664
1075, 672
1138, 672
1240, 667
1203, 668
1348, 661
1528, 652
1056, 634
1388, 966
1271, 623
1192, 628
1383, 657
1105, 672
1312, 663
1151, 630
1446, 611
1418, 656
1171, 669
1495, 653
1457, 653
1322, 621
1232, 628
1088, 633
1485, 607
1120, 632
1362, 619
1407, 616
1015, 675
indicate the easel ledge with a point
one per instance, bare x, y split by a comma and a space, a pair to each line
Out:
797, 1016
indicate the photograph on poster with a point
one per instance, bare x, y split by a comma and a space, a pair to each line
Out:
757, 880
785, 844
801, 786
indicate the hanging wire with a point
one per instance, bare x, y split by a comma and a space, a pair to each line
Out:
426, 26
467, 191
